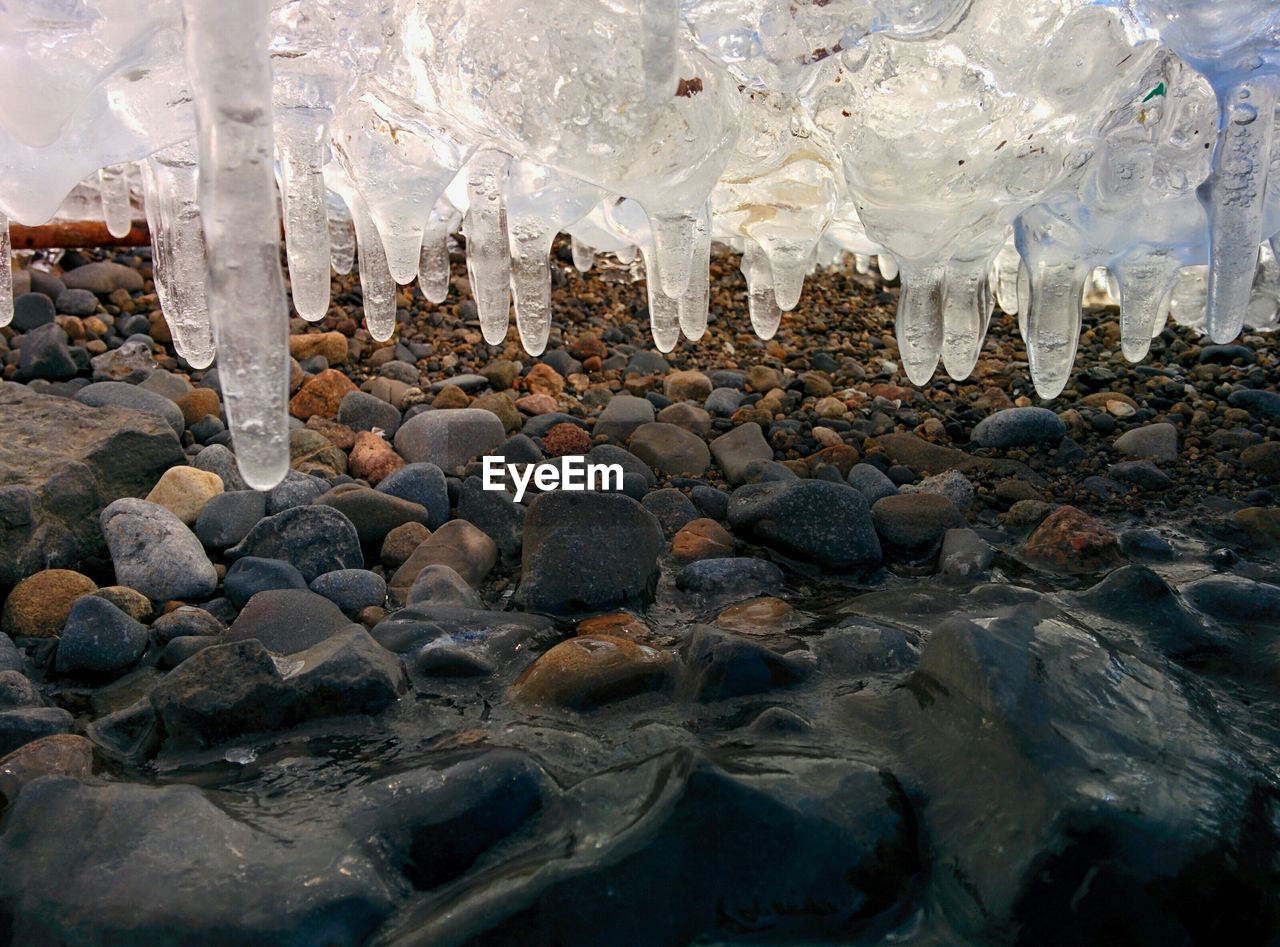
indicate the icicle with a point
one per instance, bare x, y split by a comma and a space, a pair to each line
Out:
342, 244
1144, 279
659, 20
226, 49
376, 284
761, 305
178, 257
966, 314
488, 252
1024, 299
1053, 323
1006, 266
919, 323
583, 255
117, 210
6, 273
790, 262
888, 267
861, 263
697, 295
433, 265
627, 255
673, 245
1232, 197
300, 137
530, 238
1264, 305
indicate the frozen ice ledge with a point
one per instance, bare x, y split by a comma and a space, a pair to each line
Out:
988, 151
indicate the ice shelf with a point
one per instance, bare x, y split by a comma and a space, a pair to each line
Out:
986, 152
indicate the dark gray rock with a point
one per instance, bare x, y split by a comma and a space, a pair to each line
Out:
316, 539
296, 489
130, 364
1235, 598
670, 450
76, 302
629, 462
372, 512
438, 585
351, 589
494, 637
44, 354
585, 551
1143, 474
217, 458
153, 552
737, 449
186, 621
10, 657
60, 463
871, 482
1019, 427
20, 725
251, 575
495, 513
16, 690
99, 639
621, 416
287, 620
423, 484
361, 411
723, 665
1146, 544
1258, 402
731, 579
117, 394
227, 518
710, 501
179, 649
670, 507
912, 526
722, 402
44, 282
1152, 441
822, 523
32, 310
66, 842
964, 554
449, 438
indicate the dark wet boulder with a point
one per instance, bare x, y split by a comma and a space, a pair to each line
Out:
720, 665
287, 620
315, 539
826, 524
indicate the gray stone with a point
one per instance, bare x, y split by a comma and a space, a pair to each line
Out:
438, 585
912, 526
1143, 474
622, 415
951, 484
671, 508
351, 589
186, 622
670, 450
1234, 598
871, 482
60, 463
630, 463
1019, 427
227, 518
287, 620
423, 484
1151, 442
731, 579
316, 539
21, 725
457, 544
31, 311
374, 514
153, 552
44, 354
363, 412
251, 575
99, 638
131, 363
218, 459
165, 383
16, 690
76, 302
449, 438
296, 489
722, 402
495, 513
735, 451
1258, 402
965, 554
585, 551
118, 394
823, 523
103, 277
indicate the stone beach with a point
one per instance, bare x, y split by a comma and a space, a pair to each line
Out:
839, 659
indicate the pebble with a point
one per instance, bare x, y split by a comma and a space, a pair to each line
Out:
251, 575
964, 554
422, 484
288, 620
687, 386
439, 585
1070, 541
363, 412
400, 543
130, 364
103, 277
871, 482
184, 492
38, 606
621, 416
826, 524
951, 484
448, 439
701, 539
44, 354
1234, 598
1262, 404
584, 672
670, 507
351, 589
315, 539
736, 450
61, 754
670, 450
912, 526
98, 639
457, 544
1019, 427
32, 310
1143, 474
155, 553
1153, 442
373, 513
731, 579
76, 302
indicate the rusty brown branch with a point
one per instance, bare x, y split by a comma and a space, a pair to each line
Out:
75, 233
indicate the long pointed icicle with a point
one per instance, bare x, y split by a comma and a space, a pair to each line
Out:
673, 248
1233, 197
583, 256
966, 313
300, 142
488, 254
1053, 323
178, 256
530, 238
342, 241
113, 185
433, 264
761, 305
664, 311
789, 261
696, 297
919, 323
1145, 281
376, 284
226, 49
6, 273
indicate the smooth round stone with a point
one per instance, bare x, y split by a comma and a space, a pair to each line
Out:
76, 302
1151, 442
735, 451
587, 671
98, 638
671, 508
227, 518
31, 311
296, 489
646, 362
179, 649
871, 482
351, 589
288, 620
732, 578
316, 539
217, 458
251, 575
364, 412
457, 544
1019, 427
1234, 598
401, 542
44, 354
372, 512
442, 586
184, 491
914, 525
688, 416
711, 502
1145, 544
826, 524
670, 450
621, 416
133, 603
184, 622
1143, 474
722, 402
1258, 402
423, 484
17, 690
118, 394
449, 438
539, 426
103, 277
155, 553
37, 607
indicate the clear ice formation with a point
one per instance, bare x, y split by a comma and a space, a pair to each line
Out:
990, 153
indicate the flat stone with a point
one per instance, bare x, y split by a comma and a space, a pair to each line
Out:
250, 575
120, 395
670, 450
912, 525
731, 579
103, 277
456, 544
826, 524
621, 416
373, 513
364, 412
287, 620
351, 589
736, 450
227, 518
1152, 442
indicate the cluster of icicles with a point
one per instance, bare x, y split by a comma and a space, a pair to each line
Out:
986, 150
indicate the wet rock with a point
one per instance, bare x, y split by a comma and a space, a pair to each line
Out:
730, 579
1263, 458
1019, 427
315, 539
63, 754
250, 575
763, 617
495, 513
10, 657
65, 461
622, 416
813, 521
33, 310
1145, 544
964, 554
227, 518
856, 647
1071, 541
373, 513
586, 551
701, 539
439, 585
584, 672
448, 438
287, 620
738, 449
871, 482
351, 589
183, 622
154, 552
670, 450
130, 364
912, 526
65, 841
670, 507
1260, 403
17, 690
227, 691
723, 665
99, 639
1143, 474
457, 544
21, 725
1235, 598
38, 605
1153, 442
44, 354
420, 483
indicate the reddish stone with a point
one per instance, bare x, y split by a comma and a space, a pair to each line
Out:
588, 346
701, 539
1068, 540
536, 404
544, 380
566, 439
372, 458
321, 395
